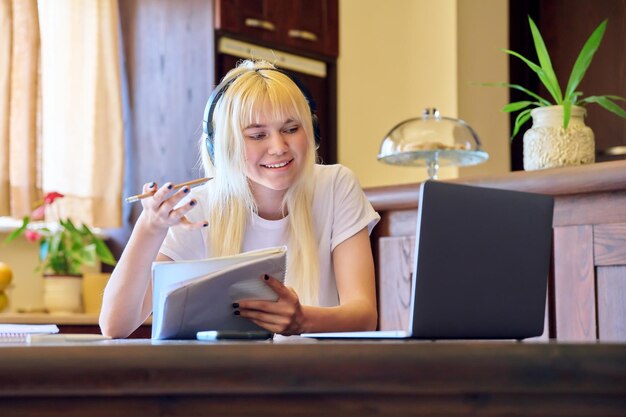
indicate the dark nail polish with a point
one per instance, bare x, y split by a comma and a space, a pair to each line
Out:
236, 313
266, 277
235, 305
169, 186
205, 225
186, 190
192, 203
151, 185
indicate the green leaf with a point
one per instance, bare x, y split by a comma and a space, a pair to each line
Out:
584, 59
540, 99
56, 244
88, 254
553, 89
614, 97
17, 232
67, 224
607, 103
574, 98
546, 65
521, 118
517, 105
567, 113
104, 253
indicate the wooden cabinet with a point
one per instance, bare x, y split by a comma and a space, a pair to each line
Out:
587, 288
300, 26
300, 36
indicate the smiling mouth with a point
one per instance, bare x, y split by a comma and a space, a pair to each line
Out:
277, 165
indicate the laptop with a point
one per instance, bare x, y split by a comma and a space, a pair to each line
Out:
482, 259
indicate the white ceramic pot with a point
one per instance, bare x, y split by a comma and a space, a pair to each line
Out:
62, 294
548, 145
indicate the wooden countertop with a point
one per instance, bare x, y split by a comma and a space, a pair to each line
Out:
307, 377
59, 319
593, 178
45, 318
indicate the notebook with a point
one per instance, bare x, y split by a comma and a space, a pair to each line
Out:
482, 259
20, 333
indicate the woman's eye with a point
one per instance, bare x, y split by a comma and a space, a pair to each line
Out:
291, 129
256, 136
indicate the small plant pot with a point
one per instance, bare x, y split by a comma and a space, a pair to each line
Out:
62, 294
548, 145
93, 290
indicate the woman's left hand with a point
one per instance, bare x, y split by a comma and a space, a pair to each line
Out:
284, 316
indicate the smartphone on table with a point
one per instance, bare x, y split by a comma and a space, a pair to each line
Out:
211, 335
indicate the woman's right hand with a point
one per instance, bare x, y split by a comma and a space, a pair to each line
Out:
159, 211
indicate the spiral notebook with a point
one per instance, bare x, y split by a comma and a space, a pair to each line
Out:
19, 333
193, 296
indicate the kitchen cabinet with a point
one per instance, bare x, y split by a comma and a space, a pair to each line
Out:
587, 282
298, 26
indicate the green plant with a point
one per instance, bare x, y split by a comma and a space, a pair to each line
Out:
65, 248
546, 75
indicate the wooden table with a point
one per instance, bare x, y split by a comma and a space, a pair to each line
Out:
308, 378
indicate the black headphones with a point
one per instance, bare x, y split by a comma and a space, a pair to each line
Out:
218, 92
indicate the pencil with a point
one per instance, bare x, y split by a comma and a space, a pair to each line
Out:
190, 184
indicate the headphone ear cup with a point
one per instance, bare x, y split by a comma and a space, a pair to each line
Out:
209, 147
316, 130
207, 127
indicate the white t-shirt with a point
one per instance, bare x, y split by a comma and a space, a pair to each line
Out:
340, 210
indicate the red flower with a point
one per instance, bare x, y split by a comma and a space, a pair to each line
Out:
31, 236
51, 196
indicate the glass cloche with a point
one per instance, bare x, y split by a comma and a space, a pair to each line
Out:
432, 141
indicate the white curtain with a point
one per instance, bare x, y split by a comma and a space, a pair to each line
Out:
82, 147
20, 178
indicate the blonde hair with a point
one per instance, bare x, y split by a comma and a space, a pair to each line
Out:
255, 86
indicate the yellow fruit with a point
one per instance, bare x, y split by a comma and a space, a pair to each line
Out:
4, 300
6, 275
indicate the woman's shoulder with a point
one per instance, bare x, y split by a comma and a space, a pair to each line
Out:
333, 172
335, 175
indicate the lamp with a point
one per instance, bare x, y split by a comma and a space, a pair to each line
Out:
432, 141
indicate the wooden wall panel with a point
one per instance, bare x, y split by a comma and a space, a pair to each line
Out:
169, 63
609, 242
574, 284
592, 208
396, 257
168, 49
612, 304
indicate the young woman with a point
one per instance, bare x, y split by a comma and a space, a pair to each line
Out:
259, 145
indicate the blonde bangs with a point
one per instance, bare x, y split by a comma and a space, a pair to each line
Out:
263, 91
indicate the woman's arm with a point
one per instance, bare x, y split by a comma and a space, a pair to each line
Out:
353, 264
127, 300
354, 273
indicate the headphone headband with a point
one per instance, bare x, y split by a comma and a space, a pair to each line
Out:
218, 92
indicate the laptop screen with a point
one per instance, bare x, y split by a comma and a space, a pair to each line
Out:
482, 263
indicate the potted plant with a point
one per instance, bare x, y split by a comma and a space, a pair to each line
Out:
63, 249
559, 135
